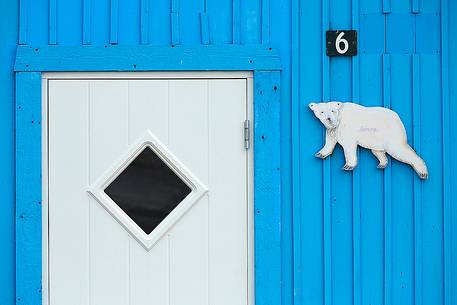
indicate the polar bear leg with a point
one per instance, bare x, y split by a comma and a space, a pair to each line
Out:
350, 154
404, 153
328, 148
382, 158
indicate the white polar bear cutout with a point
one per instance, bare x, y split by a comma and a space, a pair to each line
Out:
376, 128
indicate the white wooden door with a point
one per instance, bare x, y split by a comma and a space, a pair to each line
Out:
98, 255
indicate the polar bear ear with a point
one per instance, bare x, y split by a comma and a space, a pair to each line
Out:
339, 104
312, 106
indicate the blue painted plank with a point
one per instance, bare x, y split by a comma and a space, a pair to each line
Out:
114, 21
204, 28
189, 16
251, 21
144, 21
341, 191
87, 21
308, 87
281, 18
69, 15
356, 183
371, 36
371, 191
28, 188
418, 261
431, 200
175, 31
415, 6
386, 6
9, 14
372, 6
100, 22
327, 204
143, 57
23, 24
402, 188
52, 21
267, 190
265, 22
387, 192
236, 22
428, 34
451, 207
433, 6
298, 242
160, 22
129, 22
446, 8
220, 21
400, 33
37, 21
401, 6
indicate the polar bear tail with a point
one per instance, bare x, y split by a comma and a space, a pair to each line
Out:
404, 153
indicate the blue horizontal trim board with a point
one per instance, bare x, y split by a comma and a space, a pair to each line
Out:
144, 58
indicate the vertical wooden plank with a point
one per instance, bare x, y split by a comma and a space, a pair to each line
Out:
267, 192
265, 22
387, 192
68, 25
220, 21
204, 28
87, 21
415, 6
236, 21
114, 21
402, 190
251, 23
52, 21
9, 14
228, 210
23, 24
28, 188
327, 226
386, 6
446, 134
431, 200
189, 272
68, 133
144, 21
295, 119
129, 23
356, 184
109, 253
160, 22
417, 182
175, 37
148, 110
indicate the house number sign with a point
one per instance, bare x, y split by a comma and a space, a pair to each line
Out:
341, 43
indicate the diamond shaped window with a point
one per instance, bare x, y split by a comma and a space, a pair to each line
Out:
147, 190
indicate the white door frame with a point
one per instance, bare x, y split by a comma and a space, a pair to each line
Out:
46, 77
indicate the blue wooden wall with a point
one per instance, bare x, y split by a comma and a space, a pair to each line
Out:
368, 237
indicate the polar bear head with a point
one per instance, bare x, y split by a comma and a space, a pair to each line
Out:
327, 113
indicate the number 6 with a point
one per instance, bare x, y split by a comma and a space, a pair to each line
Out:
339, 40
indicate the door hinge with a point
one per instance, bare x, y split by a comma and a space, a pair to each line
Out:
247, 134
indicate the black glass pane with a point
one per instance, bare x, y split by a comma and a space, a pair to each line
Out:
147, 190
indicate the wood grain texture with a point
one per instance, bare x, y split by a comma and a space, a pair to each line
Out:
143, 58
28, 188
267, 191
